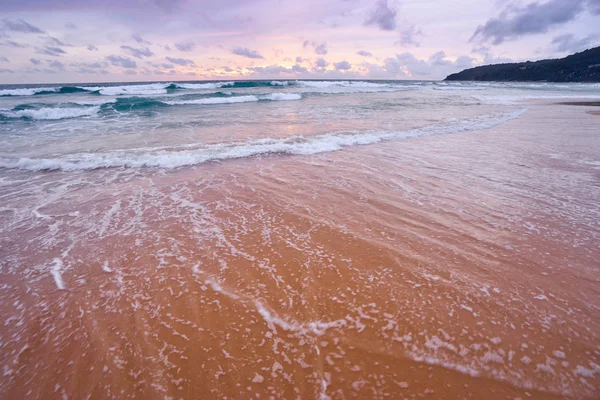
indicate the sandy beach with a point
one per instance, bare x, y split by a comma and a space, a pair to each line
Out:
454, 266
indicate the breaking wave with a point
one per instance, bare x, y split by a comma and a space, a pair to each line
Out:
47, 114
200, 153
238, 99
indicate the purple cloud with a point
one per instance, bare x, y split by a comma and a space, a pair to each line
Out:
321, 49
52, 51
321, 63
534, 18
57, 65
245, 52
185, 46
409, 36
138, 53
568, 43
139, 39
179, 61
35, 61
342, 65
92, 48
21, 26
364, 53
12, 43
382, 16
119, 61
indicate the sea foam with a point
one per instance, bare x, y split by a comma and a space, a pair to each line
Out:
51, 113
162, 158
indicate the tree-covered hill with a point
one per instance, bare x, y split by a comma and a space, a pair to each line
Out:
579, 67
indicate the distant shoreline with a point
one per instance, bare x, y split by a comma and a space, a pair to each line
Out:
578, 67
581, 103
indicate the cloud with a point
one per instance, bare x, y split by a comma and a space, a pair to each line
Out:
243, 51
321, 49
179, 61
90, 66
185, 46
364, 53
439, 58
52, 41
568, 43
52, 51
167, 66
70, 25
409, 36
406, 64
119, 61
515, 22
342, 65
139, 39
12, 43
138, 53
3, 59
382, 16
594, 7
21, 26
57, 65
297, 69
92, 48
321, 63
489, 58
299, 60
35, 61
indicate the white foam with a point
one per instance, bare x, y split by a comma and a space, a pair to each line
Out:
210, 85
328, 84
52, 113
282, 96
237, 99
175, 158
215, 100
94, 102
27, 91
459, 88
105, 267
279, 83
56, 273
145, 90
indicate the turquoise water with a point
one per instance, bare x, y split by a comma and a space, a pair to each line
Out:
88, 126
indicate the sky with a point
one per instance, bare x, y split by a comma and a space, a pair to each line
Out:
74, 41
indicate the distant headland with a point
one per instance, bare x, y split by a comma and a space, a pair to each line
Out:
578, 67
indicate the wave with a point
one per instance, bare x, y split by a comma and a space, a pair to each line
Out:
27, 91
237, 99
164, 88
50, 114
200, 153
450, 88
125, 104
352, 84
146, 90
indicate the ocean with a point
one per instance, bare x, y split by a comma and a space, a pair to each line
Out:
299, 239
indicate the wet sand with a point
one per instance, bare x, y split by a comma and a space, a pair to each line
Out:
456, 266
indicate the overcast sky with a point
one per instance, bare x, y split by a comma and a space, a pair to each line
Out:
167, 40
